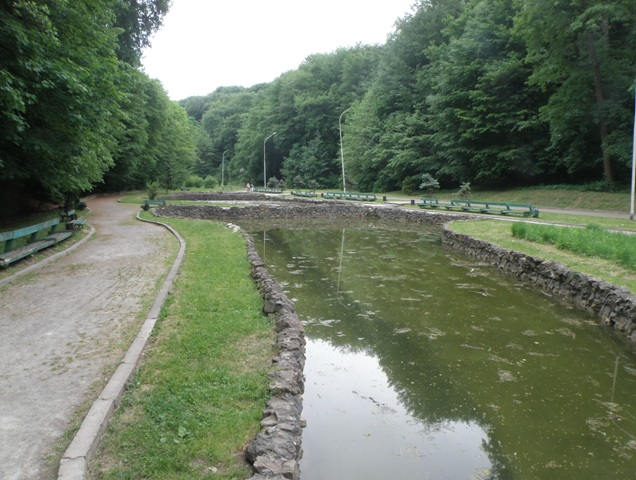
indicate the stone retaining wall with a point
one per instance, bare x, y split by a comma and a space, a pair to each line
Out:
615, 306
276, 451
305, 209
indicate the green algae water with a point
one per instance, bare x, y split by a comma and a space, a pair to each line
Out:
425, 364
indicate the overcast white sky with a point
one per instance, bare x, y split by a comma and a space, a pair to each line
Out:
205, 44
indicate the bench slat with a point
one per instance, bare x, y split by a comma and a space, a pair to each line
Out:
29, 249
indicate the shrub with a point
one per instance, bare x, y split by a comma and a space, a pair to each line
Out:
464, 191
193, 181
429, 184
152, 189
298, 182
210, 182
408, 185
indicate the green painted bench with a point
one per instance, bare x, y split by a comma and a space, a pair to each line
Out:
34, 243
267, 190
368, 197
157, 202
71, 221
300, 193
428, 202
500, 208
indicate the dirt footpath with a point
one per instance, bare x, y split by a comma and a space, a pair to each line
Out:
65, 327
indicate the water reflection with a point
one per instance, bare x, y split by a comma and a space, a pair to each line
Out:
532, 389
350, 402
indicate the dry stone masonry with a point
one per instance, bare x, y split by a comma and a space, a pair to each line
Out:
276, 450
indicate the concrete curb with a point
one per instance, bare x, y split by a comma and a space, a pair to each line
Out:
74, 463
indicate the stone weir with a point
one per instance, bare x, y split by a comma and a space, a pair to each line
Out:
304, 209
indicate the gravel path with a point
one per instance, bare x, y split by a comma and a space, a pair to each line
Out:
65, 327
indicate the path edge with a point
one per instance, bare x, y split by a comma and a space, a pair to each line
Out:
74, 462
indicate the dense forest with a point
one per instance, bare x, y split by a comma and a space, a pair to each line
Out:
497, 93
76, 111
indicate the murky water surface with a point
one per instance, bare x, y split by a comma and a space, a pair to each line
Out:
424, 364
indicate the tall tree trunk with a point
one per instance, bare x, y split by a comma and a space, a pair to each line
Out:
600, 103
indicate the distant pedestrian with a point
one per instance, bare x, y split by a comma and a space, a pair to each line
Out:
248, 187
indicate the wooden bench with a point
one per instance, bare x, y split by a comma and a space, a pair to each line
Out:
34, 244
428, 202
368, 197
267, 190
300, 193
500, 208
71, 221
157, 202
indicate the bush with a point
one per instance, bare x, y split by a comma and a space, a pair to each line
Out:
464, 192
210, 182
298, 182
193, 181
429, 184
408, 185
152, 189
273, 182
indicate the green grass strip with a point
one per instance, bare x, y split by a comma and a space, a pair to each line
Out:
591, 241
199, 394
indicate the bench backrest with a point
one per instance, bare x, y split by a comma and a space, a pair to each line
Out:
23, 232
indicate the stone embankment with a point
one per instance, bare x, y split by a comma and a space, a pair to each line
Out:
276, 450
614, 306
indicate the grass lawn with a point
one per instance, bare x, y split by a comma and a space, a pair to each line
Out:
199, 394
500, 233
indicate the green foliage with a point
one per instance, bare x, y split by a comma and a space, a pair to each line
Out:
591, 241
465, 191
298, 182
193, 181
429, 184
409, 185
211, 182
74, 110
138, 20
152, 189
273, 182
583, 54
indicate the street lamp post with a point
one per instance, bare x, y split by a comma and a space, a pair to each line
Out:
344, 185
631, 205
264, 162
223, 170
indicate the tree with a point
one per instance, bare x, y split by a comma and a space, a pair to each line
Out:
583, 54
59, 74
481, 113
138, 20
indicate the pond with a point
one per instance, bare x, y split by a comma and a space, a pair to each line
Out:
423, 363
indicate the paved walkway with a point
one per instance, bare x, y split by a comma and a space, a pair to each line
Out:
64, 329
